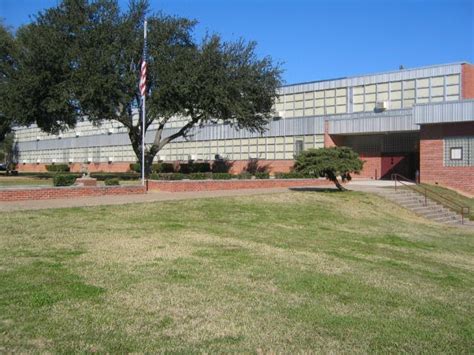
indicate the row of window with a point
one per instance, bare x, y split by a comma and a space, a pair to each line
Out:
399, 94
233, 149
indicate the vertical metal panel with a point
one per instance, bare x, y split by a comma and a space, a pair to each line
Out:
455, 111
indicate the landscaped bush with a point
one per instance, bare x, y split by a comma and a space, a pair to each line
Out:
221, 176
199, 167
167, 176
136, 167
120, 176
221, 166
111, 182
162, 168
64, 179
291, 175
58, 168
199, 176
244, 175
254, 166
262, 175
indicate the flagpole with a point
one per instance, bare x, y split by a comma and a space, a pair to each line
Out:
143, 118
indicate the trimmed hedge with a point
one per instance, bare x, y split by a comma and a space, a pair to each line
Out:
262, 175
58, 168
292, 175
119, 176
111, 182
221, 166
167, 176
244, 176
200, 176
64, 180
222, 176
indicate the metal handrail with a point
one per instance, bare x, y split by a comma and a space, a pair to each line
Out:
463, 210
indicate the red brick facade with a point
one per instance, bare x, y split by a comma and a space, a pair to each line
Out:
467, 81
212, 185
432, 169
49, 193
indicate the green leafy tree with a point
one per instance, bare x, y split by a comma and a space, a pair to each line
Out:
82, 59
329, 163
7, 66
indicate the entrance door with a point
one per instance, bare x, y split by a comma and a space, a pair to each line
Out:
405, 164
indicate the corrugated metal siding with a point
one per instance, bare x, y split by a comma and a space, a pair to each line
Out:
456, 111
404, 74
392, 121
283, 127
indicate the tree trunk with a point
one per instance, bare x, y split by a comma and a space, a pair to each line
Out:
336, 182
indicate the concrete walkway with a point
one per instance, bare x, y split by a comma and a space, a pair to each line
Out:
151, 196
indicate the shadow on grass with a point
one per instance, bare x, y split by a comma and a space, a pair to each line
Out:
314, 189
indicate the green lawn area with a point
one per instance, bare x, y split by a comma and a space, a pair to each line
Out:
291, 272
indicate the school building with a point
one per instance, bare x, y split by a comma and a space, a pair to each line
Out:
402, 121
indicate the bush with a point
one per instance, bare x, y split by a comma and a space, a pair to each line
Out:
244, 175
262, 175
58, 168
199, 167
221, 166
254, 166
64, 179
162, 168
222, 176
119, 176
291, 175
136, 167
111, 182
199, 176
167, 176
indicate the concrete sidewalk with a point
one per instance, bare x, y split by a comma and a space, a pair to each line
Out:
151, 196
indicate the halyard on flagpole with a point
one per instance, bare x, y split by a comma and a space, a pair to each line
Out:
143, 73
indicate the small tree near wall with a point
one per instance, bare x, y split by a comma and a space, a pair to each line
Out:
329, 163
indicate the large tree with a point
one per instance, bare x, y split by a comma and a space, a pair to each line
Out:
82, 59
7, 66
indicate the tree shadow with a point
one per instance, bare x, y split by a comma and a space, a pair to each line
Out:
315, 189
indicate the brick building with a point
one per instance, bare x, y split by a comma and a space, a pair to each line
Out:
400, 121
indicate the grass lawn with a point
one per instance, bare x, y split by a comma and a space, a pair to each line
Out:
299, 271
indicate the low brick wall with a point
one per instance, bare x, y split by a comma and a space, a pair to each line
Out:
210, 185
47, 193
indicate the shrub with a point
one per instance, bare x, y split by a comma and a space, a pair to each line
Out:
254, 166
221, 176
167, 176
162, 168
221, 166
111, 182
291, 175
199, 176
58, 168
262, 175
199, 167
136, 167
120, 176
64, 179
244, 175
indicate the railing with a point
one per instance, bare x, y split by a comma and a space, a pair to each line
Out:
431, 194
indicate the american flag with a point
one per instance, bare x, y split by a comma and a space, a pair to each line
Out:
142, 84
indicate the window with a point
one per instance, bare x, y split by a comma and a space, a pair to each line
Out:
298, 147
455, 153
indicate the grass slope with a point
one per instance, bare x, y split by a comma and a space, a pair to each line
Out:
300, 271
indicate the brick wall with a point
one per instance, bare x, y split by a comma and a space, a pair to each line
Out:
467, 81
432, 169
372, 167
67, 192
211, 185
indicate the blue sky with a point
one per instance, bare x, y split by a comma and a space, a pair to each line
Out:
323, 39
